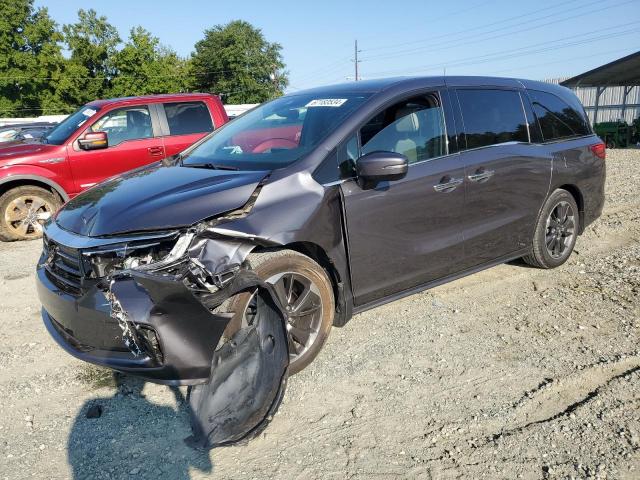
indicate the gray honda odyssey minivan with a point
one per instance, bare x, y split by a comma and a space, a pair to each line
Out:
229, 263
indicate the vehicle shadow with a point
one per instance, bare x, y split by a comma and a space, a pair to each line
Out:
127, 436
519, 262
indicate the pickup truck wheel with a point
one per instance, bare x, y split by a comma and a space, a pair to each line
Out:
556, 231
23, 211
305, 291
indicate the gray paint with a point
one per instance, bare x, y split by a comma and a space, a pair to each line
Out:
377, 243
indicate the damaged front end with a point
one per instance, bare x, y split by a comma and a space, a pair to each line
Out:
154, 306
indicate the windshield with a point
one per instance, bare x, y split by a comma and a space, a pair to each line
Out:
65, 129
275, 134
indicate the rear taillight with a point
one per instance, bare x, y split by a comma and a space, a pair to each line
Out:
599, 150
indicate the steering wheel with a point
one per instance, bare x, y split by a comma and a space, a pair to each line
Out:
274, 143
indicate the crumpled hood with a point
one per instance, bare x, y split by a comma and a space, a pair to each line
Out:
23, 151
156, 198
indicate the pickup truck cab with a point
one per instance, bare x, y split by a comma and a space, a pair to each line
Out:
100, 140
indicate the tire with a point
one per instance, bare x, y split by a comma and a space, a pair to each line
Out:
19, 217
246, 386
611, 144
275, 266
555, 234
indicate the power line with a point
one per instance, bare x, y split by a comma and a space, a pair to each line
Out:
504, 54
608, 52
506, 57
467, 30
355, 59
115, 76
626, 51
325, 70
443, 17
472, 39
336, 65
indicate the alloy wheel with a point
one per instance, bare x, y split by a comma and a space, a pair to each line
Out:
561, 230
300, 297
25, 215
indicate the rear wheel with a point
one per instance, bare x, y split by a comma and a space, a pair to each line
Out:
23, 211
556, 231
304, 290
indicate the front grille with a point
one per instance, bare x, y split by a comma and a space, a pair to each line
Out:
63, 266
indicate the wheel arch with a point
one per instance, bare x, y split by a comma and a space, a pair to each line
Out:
576, 193
14, 181
319, 255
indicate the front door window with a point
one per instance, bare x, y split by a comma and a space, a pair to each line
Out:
123, 124
414, 128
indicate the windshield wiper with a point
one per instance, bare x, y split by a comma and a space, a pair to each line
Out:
212, 166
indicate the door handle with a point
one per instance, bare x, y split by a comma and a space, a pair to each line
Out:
156, 151
481, 175
447, 184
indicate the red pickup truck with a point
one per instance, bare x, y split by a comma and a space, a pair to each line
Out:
101, 139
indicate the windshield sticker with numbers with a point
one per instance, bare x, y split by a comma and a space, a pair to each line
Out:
326, 102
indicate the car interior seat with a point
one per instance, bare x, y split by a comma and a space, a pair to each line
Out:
407, 125
431, 132
138, 125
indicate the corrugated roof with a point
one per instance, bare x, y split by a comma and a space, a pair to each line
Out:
622, 72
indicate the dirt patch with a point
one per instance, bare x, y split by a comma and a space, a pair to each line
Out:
97, 377
510, 373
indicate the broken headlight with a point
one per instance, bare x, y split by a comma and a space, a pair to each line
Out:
149, 254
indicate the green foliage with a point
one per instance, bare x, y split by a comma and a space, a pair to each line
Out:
30, 58
233, 60
236, 61
144, 67
93, 43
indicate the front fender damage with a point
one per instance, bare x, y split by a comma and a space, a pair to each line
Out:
247, 371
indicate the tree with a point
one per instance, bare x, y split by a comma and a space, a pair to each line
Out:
30, 60
144, 67
233, 60
236, 61
93, 43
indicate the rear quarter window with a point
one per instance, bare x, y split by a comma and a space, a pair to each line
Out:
491, 117
185, 118
557, 118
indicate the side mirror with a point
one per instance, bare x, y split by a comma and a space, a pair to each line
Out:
377, 167
93, 141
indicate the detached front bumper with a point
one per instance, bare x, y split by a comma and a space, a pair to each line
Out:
180, 335
149, 306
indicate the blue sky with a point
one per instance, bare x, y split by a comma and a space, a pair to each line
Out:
537, 40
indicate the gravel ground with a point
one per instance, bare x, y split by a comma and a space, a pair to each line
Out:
510, 373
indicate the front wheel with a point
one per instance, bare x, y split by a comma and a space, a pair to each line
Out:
556, 231
304, 290
23, 211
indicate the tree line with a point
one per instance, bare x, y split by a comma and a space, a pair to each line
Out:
47, 69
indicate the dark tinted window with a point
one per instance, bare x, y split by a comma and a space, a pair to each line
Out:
557, 118
348, 153
492, 116
188, 117
414, 128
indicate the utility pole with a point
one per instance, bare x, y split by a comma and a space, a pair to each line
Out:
355, 60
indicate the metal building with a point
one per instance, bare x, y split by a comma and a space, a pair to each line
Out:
610, 92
